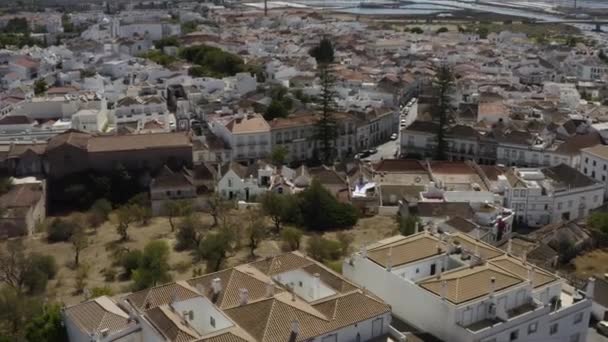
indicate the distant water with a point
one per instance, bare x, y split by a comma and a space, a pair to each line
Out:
413, 9
593, 4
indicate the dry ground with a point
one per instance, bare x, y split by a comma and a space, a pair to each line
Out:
104, 244
592, 263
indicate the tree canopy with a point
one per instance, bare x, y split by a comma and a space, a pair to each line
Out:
153, 266
324, 52
212, 62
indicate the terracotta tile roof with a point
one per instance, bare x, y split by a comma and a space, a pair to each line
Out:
405, 251
168, 178
17, 150
599, 150
574, 144
232, 281
160, 295
281, 263
21, 196
16, 120
71, 137
137, 142
423, 126
442, 209
225, 337
27, 62
400, 165
568, 176
486, 251
169, 324
539, 277
461, 224
293, 121
98, 314
337, 283
250, 123
270, 319
468, 284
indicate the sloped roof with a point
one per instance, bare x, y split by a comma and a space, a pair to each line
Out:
405, 251
468, 284
16, 120
132, 142
22, 196
568, 176
160, 295
98, 314
73, 138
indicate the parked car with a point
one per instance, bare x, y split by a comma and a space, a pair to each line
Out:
394, 136
602, 327
362, 155
372, 151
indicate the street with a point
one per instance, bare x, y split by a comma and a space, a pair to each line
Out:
594, 336
389, 149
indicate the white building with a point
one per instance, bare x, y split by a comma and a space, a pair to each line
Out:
594, 164
144, 108
244, 183
284, 298
548, 195
248, 135
90, 120
462, 290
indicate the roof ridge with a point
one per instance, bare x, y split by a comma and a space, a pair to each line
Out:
274, 301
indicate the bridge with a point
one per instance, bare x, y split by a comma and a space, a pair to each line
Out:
598, 23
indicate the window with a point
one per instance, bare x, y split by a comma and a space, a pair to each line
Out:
514, 335
229, 183
570, 203
212, 321
594, 163
603, 178
595, 198
532, 328
546, 207
559, 206
553, 329
604, 167
578, 318
575, 338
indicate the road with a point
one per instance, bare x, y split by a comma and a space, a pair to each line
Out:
593, 336
389, 149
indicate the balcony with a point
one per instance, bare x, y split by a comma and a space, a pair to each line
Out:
511, 317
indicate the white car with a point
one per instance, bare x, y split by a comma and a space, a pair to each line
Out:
602, 327
394, 136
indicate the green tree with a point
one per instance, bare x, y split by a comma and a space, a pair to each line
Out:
483, 32
275, 110
60, 230
175, 209
316, 199
154, 266
324, 52
416, 30
217, 207
46, 326
40, 86
189, 27
256, 231
101, 291
443, 84
215, 247
407, 224
188, 233
6, 184
130, 262
82, 276
99, 212
166, 41
277, 207
16, 310
17, 25
322, 249
442, 29
125, 215
345, 239
25, 273
79, 242
291, 238
141, 214
279, 155
326, 126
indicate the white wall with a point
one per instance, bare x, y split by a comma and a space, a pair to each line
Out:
203, 310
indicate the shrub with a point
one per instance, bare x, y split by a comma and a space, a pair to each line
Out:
109, 274
101, 291
291, 238
130, 262
322, 249
60, 230
181, 266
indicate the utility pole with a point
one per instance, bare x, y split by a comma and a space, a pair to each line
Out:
265, 8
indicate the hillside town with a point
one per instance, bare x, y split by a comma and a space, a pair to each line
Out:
228, 172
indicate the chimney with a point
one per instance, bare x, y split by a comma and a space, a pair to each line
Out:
440, 263
293, 292
295, 330
243, 296
492, 286
316, 285
416, 227
509, 247
216, 284
590, 289
444, 289
363, 251
269, 289
524, 258
389, 259
200, 288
